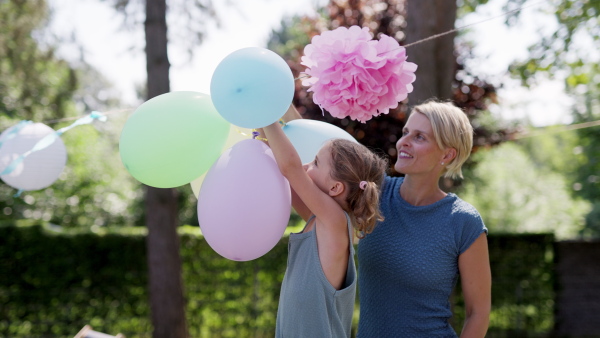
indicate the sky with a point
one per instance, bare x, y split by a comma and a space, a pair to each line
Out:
107, 47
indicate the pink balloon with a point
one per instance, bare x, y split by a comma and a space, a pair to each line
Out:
245, 202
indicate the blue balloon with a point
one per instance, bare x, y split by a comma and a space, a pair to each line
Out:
308, 136
252, 87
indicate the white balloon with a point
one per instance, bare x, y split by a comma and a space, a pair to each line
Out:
39, 169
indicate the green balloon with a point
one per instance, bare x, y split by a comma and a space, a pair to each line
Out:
172, 139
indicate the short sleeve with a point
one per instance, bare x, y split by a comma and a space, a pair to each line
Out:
472, 228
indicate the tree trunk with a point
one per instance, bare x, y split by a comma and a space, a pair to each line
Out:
167, 303
435, 58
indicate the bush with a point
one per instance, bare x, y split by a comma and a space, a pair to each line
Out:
55, 281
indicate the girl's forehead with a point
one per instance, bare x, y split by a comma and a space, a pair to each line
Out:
325, 149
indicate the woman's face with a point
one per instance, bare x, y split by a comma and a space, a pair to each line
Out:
418, 152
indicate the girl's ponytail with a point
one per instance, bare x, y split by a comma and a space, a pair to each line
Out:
362, 171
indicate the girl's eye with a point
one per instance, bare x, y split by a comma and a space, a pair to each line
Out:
404, 133
420, 137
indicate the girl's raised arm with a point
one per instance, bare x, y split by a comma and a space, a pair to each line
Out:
322, 205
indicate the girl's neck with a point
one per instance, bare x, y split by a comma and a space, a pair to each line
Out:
420, 191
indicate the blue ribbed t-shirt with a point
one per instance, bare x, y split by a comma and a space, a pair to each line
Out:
408, 265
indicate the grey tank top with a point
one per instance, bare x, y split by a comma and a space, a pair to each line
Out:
309, 306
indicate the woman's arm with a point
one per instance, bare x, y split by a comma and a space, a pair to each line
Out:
476, 282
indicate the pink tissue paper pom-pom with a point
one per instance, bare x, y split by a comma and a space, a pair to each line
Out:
352, 75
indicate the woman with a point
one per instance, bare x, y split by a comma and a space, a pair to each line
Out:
410, 263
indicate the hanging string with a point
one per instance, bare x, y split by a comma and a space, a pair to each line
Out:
110, 112
473, 24
47, 140
14, 131
551, 130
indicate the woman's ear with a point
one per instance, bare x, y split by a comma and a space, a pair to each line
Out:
336, 189
449, 155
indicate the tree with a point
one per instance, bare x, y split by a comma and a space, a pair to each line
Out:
34, 83
164, 262
161, 205
563, 54
389, 17
435, 57
37, 85
521, 195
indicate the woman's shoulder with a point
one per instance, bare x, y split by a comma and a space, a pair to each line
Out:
461, 206
466, 215
391, 181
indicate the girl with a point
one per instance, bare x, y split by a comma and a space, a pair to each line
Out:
336, 191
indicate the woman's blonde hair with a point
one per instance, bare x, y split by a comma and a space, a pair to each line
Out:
451, 129
354, 163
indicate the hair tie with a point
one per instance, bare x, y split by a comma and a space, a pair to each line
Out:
362, 185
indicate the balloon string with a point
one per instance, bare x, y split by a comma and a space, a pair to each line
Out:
303, 76
256, 134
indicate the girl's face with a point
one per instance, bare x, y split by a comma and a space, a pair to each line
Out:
319, 170
418, 153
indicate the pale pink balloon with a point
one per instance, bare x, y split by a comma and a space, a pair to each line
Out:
245, 202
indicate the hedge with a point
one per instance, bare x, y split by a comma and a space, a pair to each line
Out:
53, 282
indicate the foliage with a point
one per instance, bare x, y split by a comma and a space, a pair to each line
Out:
56, 280
563, 53
523, 298
34, 83
513, 194
383, 17
53, 281
94, 189
565, 47
187, 20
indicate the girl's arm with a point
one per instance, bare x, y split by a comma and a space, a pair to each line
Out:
316, 201
299, 206
476, 282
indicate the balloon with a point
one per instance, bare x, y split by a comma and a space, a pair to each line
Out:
40, 168
236, 134
252, 87
172, 139
308, 136
245, 202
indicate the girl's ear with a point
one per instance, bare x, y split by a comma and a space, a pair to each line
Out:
336, 189
449, 155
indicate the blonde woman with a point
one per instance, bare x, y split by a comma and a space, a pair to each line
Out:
409, 264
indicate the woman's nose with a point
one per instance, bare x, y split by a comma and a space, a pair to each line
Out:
402, 141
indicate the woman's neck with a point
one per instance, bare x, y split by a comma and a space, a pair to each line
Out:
420, 191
